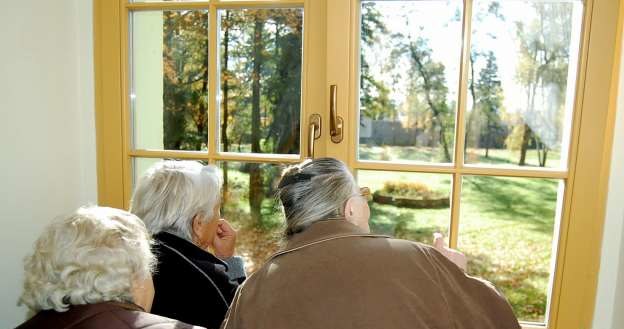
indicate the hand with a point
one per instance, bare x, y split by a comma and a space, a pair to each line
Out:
453, 255
224, 240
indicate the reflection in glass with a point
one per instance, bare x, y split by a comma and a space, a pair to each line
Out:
506, 231
260, 69
409, 206
521, 84
409, 71
169, 63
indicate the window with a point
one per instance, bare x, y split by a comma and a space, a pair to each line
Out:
517, 100
486, 120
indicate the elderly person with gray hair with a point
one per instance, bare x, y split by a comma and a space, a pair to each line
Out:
333, 273
196, 275
92, 270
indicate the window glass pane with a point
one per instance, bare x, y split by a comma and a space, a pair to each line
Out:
260, 69
169, 62
409, 206
249, 204
522, 81
409, 75
506, 230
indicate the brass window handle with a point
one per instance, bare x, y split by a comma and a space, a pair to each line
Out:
335, 121
314, 133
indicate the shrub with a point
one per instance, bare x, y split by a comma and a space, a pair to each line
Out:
414, 190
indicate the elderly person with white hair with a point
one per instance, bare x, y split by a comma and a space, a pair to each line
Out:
334, 273
92, 270
197, 275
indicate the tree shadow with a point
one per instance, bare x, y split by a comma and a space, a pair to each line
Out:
531, 201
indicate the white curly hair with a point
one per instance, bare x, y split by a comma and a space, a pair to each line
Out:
93, 255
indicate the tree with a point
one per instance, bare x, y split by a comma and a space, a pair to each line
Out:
185, 67
284, 83
473, 122
542, 71
255, 171
489, 104
428, 86
225, 89
374, 94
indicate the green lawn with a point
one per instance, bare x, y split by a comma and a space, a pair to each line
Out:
473, 156
506, 228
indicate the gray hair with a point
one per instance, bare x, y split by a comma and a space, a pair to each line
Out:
94, 255
171, 193
314, 190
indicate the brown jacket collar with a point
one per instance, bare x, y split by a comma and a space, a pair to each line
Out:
322, 231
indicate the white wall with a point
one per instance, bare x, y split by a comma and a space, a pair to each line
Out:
47, 133
609, 312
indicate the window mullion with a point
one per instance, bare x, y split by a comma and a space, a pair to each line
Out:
454, 226
460, 137
126, 88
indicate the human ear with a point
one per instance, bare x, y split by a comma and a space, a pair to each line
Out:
197, 225
348, 211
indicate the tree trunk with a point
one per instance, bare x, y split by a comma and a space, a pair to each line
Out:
527, 132
202, 115
473, 92
542, 152
437, 114
488, 137
224, 101
255, 173
526, 137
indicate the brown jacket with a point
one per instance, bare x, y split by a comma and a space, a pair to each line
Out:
108, 315
334, 275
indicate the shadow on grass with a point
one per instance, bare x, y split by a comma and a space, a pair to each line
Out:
531, 201
491, 159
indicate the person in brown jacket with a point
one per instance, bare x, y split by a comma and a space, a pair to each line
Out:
333, 273
92, 270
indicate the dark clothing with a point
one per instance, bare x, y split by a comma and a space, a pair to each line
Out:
336, 275
109, 315
192, 285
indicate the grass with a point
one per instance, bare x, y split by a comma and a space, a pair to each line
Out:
506, 228
473, 156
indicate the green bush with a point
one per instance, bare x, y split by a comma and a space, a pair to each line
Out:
413, 190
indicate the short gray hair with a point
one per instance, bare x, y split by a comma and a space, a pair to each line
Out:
314, 190
94, 255
171, 193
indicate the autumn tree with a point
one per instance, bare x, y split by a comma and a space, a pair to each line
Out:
374, 93
185, 67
